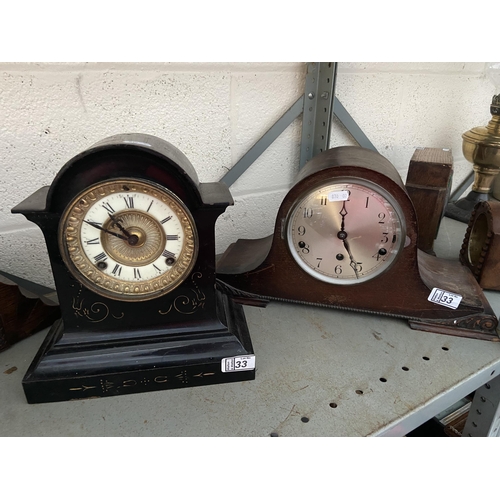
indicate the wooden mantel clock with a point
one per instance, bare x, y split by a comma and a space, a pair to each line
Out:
346, 237
480, 250
130, 236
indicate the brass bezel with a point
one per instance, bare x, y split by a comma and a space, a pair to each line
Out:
78, 264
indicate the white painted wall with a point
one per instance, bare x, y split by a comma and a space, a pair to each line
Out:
214, 112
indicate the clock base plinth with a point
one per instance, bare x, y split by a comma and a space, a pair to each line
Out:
254, 276
469, 327
171, 361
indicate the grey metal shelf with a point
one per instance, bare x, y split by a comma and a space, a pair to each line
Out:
320, 372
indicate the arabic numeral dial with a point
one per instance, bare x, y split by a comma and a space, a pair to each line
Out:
345, 232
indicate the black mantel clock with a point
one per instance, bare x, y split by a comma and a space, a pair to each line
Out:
130, 236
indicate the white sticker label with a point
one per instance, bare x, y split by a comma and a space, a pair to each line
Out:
444, 298
238, 363
338, 196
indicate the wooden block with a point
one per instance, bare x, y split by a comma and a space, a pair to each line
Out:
24, 312
428, 183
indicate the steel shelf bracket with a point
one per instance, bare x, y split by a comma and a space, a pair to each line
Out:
263, 143
484, 413
319, 97
352, 127
317, 105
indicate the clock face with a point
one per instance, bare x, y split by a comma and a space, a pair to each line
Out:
128, 239
346, 232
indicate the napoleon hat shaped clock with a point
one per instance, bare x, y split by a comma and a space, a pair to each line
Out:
130, 236
346, 237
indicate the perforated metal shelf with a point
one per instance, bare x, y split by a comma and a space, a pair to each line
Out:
320, 372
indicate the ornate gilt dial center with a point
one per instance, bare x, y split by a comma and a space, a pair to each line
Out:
145, 244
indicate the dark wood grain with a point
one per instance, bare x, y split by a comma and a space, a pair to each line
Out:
23, 312
266, 269
483, 235
428, 184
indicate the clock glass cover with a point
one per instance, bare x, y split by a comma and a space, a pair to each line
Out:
345, 232
128, 239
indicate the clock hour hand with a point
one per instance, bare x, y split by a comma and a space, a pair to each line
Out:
93, 224
343, 213
116, 222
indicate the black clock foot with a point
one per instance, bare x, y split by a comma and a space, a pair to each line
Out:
461, 209
222, 355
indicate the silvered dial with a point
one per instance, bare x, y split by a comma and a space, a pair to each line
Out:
345, 232
128, 239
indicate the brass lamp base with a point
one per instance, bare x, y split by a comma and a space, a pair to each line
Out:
481, 146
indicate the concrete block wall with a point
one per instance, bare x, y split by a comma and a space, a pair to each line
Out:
214, 112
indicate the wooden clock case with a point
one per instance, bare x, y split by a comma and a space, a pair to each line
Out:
480, 250
103, 347
257, 271
428, 184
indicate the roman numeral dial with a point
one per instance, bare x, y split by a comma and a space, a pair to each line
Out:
128, 239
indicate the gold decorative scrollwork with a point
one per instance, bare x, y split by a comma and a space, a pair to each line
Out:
95, 313
183, 377
185, 304
481, 322
83, 388
106, 385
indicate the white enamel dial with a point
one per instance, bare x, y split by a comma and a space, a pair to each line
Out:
346, 232
128, 239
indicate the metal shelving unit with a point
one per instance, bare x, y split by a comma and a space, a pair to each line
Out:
317, 106
320, 372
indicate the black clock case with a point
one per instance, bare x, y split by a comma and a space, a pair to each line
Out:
104, 347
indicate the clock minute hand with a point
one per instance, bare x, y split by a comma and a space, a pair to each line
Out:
93, 224
354, 263
342, 235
